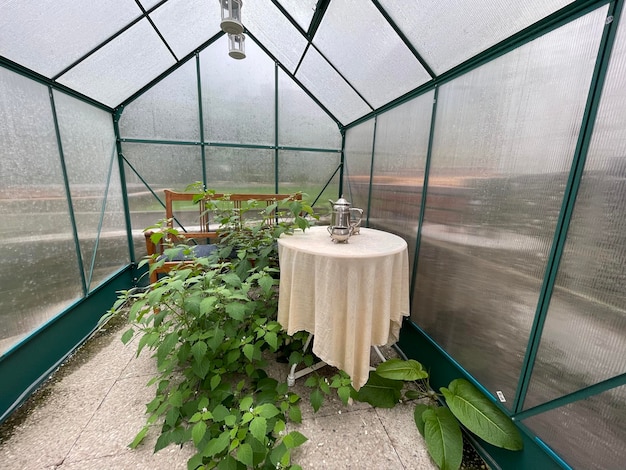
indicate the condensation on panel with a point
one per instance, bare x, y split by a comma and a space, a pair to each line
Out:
301, 10
451, 31
301, 122
40, 275
274, 31
161, 167
237, 95
358, 165
589, 298
240, 170
121, 67
330, 88
363, 46
589, 434
48, 36
399, 168
168, 111
186, 24
505, 135
313, 173
89, 152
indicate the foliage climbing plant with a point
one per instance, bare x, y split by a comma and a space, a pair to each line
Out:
210, 324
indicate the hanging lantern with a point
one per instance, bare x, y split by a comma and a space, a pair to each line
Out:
231, 16
236, 46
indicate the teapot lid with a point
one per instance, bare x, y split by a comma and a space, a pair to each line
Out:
342, 201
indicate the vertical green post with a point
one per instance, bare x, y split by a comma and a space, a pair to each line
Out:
276, 173
120, 161
369, 189
201, 122
342, 163
420, 222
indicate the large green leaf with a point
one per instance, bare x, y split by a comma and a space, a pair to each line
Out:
245, 455
198, 431
217, 445
481, 416
397, 369
198, 350
418, 418
294, 439
380, 392
443, 438
258, 428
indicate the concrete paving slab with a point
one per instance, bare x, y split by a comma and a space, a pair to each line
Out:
352, 440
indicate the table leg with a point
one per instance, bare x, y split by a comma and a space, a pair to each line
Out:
293, 375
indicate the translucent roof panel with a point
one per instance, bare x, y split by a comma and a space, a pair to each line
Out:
357, 39
122, 67
448, 32
332, 90
50, 35
274, 31
200, 24
300, 10
147, 4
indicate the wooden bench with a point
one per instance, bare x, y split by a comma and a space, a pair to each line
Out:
202, 236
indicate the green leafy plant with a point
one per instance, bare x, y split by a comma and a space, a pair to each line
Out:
210, 324
440, 426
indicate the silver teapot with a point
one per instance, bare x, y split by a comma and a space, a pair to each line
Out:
344, 220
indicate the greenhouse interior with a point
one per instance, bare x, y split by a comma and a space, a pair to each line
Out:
486, 134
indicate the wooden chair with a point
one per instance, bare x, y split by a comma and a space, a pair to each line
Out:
201, 237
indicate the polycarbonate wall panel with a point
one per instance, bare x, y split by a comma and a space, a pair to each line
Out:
363, 46
358, 165
49, 35
313, 173
330, 89
274, 31
589, 434
452, 31
399, 166
122, 67
504, 141
240, 170
589, 299
201, 21
301, 122
161, 167
300, 10
90, 156
40, 275
168, 111
237, 95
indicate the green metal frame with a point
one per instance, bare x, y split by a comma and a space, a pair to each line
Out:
27, 365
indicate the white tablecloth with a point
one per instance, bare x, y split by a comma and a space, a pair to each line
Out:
350, 296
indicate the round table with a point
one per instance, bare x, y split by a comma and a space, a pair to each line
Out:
350, 296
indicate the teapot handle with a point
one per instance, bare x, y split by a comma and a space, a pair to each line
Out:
360, 212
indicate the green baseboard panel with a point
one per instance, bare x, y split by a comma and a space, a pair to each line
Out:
25, 367
415, 344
